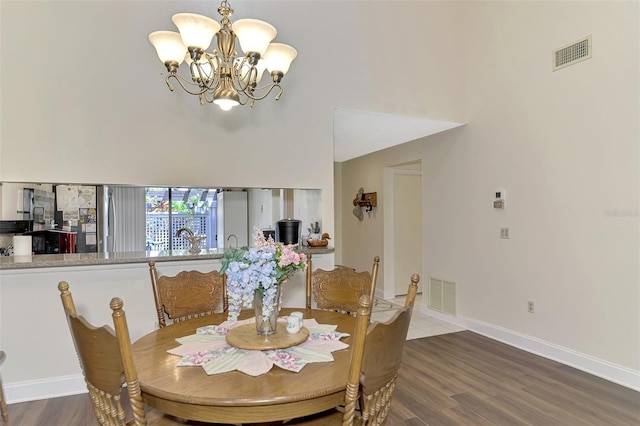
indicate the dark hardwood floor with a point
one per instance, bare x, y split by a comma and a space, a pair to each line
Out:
467, 379
453, 379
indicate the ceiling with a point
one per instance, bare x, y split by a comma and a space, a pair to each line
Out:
358, 133
355, 132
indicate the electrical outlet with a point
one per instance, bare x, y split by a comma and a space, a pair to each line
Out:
531, 306
504, 233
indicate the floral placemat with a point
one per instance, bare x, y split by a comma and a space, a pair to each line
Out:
209, 349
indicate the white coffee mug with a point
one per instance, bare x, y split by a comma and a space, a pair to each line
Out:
299, 315
294, 322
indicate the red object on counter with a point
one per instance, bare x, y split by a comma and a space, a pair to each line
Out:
67, 241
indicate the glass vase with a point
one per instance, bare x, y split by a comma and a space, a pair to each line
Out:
266, 319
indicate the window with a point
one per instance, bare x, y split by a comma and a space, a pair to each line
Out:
171, 209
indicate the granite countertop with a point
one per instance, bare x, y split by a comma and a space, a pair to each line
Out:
84, 259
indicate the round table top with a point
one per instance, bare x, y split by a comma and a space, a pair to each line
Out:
213, 398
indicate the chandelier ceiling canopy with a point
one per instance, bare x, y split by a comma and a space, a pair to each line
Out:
222, 76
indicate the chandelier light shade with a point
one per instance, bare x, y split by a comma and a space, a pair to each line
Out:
254, 35
279, 57
195, 30
222, 76
169, 46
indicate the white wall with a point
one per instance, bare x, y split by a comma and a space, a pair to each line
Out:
565, 146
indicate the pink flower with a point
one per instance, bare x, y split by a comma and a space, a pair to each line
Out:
289, 257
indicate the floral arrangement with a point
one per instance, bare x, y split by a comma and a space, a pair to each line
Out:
261, 269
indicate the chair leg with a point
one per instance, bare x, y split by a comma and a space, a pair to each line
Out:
3, 406
3, 401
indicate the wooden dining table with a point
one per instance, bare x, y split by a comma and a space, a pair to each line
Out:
234, 397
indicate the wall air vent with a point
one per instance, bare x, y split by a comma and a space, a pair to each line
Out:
572, 53
442, 296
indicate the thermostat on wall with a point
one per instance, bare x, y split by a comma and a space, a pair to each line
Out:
498, 203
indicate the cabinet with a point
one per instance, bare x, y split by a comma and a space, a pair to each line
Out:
17, 200
264, 208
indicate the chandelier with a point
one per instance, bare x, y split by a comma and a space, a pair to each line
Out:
222, 76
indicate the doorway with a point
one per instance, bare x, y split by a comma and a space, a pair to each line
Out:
402, 227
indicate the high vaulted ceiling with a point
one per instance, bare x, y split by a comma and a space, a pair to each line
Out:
360, 125
358, 133
368, 75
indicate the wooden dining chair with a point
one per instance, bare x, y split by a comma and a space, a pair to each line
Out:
375, 360
188, 294
3, 401
106, 361
107, 364
383, 355
340, 288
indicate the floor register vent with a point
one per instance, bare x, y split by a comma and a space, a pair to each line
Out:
572, 53
442, 296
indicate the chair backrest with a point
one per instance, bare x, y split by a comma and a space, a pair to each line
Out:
381, 360
340, 288
352, 393
187, 295
106, 362
410, 298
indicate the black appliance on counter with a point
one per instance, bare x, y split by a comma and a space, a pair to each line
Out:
52, 241
288, 231
14, 226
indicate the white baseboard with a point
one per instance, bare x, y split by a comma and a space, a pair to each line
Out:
54, 387
387, 294
614, 373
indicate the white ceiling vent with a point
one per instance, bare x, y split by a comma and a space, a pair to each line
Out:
572, 53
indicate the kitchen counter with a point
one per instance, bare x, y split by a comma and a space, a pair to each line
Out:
84, 259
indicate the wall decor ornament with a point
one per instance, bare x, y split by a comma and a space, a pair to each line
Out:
364, 201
